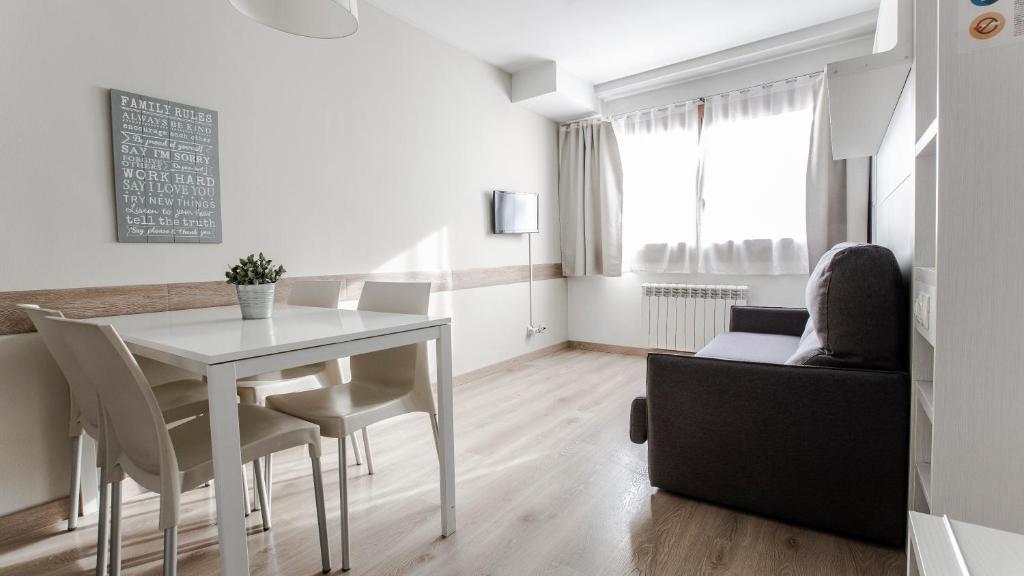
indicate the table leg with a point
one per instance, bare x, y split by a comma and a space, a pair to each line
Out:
227, 469
446, 431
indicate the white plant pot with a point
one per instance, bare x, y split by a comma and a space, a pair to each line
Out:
256, 300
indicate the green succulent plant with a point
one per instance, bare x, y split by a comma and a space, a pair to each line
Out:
254, 270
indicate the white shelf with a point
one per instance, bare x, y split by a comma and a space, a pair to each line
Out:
925, 146
935, 551
944, 547
924, 476
926, 395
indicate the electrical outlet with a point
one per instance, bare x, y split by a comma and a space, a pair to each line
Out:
540, 328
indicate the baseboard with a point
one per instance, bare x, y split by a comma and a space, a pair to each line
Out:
510, 363
608, 348
617, 349
51, 516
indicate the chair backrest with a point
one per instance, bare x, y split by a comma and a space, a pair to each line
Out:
318, 293
83, 392
406, 366
134, 428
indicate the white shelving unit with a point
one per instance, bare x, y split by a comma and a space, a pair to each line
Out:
967, 364
925, 284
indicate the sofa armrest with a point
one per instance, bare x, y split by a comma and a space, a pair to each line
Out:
638, 420
765, 320
825, 447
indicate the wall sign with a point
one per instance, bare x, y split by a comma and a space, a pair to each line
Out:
166, 170
988, 23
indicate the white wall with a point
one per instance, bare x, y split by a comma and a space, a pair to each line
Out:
372, 153
892, 200
607, 310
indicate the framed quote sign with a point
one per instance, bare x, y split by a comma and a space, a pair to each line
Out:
166, 170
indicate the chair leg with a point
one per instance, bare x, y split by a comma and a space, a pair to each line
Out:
437, 443
343, 487
171, 551
269, 483
321, 514
101, 525
245, 494
355, 450
261, 491
366, 446
115, 528
255, 496
75, 491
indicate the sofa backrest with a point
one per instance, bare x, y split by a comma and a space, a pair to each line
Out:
857, 313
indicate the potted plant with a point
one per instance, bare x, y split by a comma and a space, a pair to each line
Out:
254, 279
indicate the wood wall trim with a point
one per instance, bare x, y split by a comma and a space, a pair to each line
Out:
142, 298
484, 277
82, 303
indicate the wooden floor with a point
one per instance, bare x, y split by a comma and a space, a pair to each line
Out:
548, 483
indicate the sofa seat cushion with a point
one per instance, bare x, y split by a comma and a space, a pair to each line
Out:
751, 347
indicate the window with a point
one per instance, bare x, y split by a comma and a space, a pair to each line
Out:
659, 151
728, 197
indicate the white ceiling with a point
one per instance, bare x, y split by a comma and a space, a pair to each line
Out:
601, 40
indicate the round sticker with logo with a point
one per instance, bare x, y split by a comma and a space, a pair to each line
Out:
988, 25
984, 2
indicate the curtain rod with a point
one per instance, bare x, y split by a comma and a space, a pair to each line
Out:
704, 98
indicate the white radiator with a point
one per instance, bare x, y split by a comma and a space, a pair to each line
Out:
685, 317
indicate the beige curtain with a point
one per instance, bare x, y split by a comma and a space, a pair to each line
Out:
826, 185
590, 199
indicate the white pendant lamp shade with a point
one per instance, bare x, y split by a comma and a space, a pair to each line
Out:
311, 18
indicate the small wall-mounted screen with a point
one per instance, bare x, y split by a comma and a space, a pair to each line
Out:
515, 213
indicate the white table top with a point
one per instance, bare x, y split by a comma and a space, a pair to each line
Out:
217, 335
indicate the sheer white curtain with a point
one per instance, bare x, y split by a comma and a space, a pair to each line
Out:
753, 181
659, 150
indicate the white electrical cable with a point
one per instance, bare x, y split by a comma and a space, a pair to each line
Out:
529, 259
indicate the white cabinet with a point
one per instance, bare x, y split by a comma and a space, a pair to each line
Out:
863, 91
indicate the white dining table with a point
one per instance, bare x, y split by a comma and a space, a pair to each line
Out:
217, 343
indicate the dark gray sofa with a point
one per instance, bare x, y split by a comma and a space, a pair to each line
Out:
800, 415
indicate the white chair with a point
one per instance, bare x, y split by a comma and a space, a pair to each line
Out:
171, 461
255, 389
177, 400
384, 384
